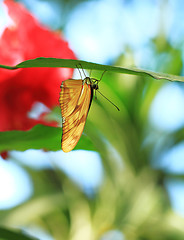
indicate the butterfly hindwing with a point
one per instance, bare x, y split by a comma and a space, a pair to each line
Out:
75, 99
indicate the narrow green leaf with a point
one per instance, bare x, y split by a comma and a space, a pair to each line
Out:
39, 137
69, 63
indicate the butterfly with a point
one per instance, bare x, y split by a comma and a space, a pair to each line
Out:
75, 101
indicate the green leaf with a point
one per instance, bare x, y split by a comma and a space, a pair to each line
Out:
69, 63
39, 137
6, 234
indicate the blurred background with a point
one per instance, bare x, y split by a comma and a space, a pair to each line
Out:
132, 186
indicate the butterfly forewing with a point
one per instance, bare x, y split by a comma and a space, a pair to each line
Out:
75, 98
70, 92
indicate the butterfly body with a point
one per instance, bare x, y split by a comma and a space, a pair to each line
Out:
75, 101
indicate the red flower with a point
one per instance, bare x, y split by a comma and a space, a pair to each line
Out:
21, 89
4, 155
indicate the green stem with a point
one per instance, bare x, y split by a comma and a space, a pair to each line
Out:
7, 67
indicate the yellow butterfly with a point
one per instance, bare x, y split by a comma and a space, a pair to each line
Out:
75, 101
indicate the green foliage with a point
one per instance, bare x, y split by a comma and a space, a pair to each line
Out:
39, 137
6, 234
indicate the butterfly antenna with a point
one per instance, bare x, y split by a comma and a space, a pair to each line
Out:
90, 73
109, 101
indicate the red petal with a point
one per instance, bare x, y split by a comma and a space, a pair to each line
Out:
20, 89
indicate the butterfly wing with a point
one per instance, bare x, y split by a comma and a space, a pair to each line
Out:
75, 99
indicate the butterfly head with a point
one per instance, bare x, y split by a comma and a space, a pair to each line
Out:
93, 82
95, 85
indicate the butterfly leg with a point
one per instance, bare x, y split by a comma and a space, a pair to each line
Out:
79, 71
102, 75
82, 70
95, 95
90, 73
